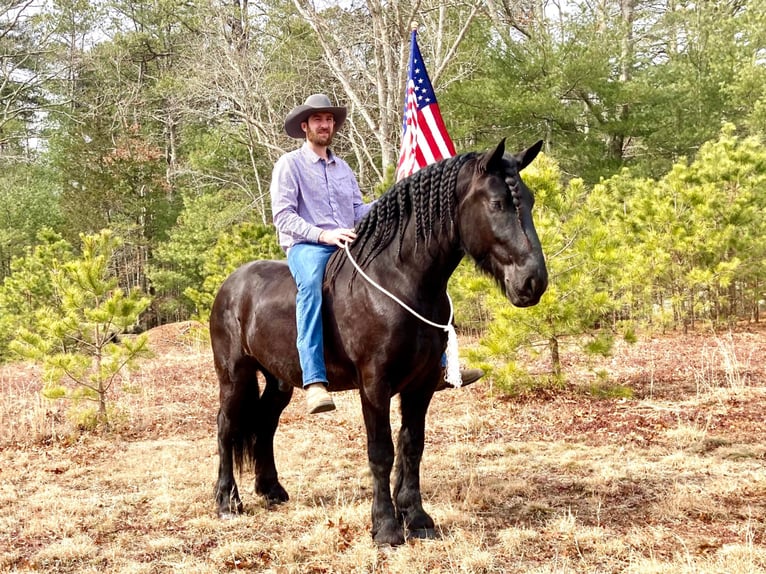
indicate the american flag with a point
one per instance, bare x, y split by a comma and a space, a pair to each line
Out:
425, 138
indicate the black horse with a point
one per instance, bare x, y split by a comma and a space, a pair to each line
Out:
410, 243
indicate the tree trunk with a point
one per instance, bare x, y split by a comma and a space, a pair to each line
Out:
102, 414
553, 345
617, 140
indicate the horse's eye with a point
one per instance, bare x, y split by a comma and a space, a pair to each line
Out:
496, 205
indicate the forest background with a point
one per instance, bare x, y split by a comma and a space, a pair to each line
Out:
159, 122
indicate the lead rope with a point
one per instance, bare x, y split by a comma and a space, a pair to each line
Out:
452, 375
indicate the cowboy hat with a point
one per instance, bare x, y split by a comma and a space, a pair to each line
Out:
313, 104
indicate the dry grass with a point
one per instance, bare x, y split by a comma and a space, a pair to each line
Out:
670, 481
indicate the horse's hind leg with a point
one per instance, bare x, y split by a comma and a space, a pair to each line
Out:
238, 403
272, 402
227, 498
407, 497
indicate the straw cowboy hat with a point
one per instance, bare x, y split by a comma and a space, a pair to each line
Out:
313, 104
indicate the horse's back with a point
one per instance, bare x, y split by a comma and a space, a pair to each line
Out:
253, 318
251, 282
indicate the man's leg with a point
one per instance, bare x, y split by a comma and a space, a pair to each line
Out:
307, 262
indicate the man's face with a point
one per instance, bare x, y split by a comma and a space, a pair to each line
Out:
319, 128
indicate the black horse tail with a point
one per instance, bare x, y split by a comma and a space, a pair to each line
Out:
239, 412
249, 416
245, 441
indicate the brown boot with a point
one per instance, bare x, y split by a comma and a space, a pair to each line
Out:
318, 400
468, 376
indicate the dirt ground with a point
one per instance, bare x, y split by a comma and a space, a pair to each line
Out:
672, 479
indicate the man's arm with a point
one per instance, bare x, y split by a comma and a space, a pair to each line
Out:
284, 192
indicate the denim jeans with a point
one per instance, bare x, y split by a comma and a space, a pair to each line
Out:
307, 262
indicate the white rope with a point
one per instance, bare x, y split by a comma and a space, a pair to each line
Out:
452, 375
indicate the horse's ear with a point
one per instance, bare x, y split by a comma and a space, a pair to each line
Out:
528, 155
492, 158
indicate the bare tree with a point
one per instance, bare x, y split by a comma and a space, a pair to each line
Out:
366, 46
233, 81
25, 69
253, 61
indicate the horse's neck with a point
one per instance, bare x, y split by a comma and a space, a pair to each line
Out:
428, 267
414, 266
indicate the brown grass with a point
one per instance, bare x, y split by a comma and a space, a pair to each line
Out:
672, 480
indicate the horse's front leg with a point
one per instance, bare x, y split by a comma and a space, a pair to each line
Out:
386, 529
407, 495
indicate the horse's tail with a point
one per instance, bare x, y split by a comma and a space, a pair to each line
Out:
251, 411
245, 413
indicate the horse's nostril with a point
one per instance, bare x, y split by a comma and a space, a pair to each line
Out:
535, 284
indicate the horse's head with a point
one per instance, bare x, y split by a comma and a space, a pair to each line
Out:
496, 227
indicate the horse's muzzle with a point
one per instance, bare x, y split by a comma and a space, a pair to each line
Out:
524, 286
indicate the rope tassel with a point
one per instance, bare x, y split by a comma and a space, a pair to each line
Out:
452, 375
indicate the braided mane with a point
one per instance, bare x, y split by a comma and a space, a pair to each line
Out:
428, 195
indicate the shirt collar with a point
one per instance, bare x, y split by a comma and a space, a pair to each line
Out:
313, 157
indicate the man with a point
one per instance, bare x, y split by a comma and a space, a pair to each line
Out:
316, 202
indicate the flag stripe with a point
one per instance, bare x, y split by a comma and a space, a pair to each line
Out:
433, 134
438, 129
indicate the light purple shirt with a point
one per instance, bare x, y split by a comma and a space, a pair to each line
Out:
310, 195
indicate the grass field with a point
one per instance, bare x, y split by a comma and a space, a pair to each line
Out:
672, 480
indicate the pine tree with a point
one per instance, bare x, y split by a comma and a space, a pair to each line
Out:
77, 341
30, 286
245, 242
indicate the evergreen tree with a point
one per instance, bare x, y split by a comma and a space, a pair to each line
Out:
696, 234
30, 287
28, 205
246, 242
76, 341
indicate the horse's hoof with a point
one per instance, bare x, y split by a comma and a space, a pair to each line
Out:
423, 534
276, 494
415, 520
391, 536
230, 510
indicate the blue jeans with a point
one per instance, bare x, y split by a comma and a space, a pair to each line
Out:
307, 262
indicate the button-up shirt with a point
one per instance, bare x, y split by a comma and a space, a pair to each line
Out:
310, 194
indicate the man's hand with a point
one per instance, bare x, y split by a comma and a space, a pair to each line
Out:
337, 237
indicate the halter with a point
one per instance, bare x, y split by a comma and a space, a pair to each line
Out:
453, 365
